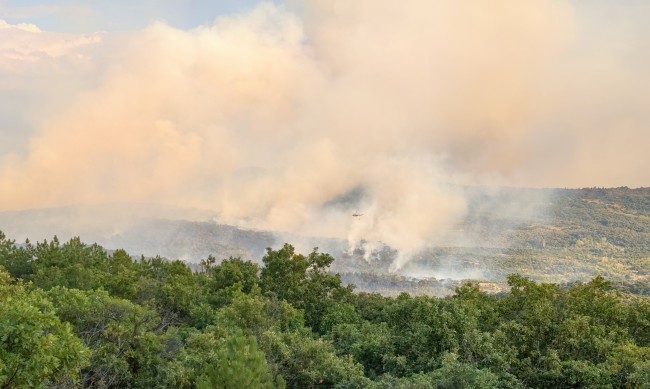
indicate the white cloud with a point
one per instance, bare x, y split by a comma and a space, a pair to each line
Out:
26, 45
29, 27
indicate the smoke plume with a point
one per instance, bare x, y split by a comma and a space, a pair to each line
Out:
292, 117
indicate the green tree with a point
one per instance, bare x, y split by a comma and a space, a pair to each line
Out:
308, 362
169, 286
16, 260
239, 364
255, 314
73, 264
302, 281
454, 374
235, 271
196, 352
370, 344
127, 348
229, 277
123, 276
37, 350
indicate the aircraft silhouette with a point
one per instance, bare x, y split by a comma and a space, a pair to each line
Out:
357, 214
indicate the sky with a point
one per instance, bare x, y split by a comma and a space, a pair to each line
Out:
273, 113
87, 16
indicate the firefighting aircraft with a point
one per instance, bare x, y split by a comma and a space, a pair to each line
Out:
356, 214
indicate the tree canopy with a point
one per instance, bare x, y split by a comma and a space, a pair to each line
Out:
76, 315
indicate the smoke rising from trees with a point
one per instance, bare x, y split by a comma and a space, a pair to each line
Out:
271, 116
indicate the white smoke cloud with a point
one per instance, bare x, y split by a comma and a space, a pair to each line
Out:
269, 117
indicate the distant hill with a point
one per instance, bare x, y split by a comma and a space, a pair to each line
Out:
555, 235
570, 234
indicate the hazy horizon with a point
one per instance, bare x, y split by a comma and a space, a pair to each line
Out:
289, 116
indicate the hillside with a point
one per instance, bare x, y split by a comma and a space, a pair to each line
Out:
562, 236
553, 235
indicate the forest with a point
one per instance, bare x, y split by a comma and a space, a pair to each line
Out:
77, 315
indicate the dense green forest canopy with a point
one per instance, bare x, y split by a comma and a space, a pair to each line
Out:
75, 315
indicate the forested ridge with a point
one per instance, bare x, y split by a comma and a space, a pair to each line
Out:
76, 315
548, 235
